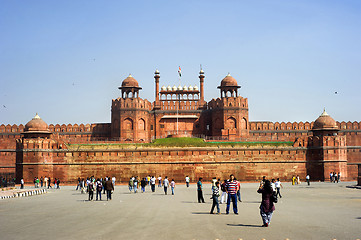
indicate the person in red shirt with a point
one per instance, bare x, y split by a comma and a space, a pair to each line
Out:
232, 194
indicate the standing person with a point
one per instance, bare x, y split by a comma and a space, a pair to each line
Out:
143, 183
232, 194
34, 182
187, 181
41, 181
224, 191
58, 183
78, 185
293, 180
22, 183
91, 191
215, 195
148, 179
200, 190
99, 186
331, 176
267, 206
214, 180
273, 184
239, 190
49, 183
110, 188
278, 186
308, 179
152, 183
113, 180
46, 181
82, 186
103, 182
130, 185
165, 184
339, 177
172, 185
135, 184
159, 181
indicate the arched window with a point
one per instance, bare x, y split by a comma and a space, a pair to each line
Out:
128, 124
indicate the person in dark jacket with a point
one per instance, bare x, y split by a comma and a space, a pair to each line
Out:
109, 187
267, 207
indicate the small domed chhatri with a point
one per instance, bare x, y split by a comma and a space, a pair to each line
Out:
36, 125
130, 82
325, 122
229, 81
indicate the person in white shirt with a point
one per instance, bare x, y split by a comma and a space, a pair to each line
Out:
187, 181
152, 183
165, 184
273, 185
159, 181
113, 181
278, 186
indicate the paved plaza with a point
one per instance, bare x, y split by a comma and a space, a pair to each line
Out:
319, 211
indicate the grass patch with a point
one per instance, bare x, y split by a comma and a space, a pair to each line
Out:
179, 142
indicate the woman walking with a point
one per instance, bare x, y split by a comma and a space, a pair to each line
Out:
267, 207
172, 185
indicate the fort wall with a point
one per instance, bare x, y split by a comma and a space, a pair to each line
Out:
247, 164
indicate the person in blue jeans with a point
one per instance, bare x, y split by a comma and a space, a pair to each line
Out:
232, 187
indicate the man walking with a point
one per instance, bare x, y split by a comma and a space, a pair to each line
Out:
165, 184
109, 187
199, 190
187, 181
232, 194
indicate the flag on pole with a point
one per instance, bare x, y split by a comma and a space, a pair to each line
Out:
179, 71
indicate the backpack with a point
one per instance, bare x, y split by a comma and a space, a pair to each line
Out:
274, 198
99, 187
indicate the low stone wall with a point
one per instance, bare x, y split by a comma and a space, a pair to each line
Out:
14, 193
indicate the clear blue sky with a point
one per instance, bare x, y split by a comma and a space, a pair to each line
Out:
66, 59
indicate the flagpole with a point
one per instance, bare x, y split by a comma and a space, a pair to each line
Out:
178, 95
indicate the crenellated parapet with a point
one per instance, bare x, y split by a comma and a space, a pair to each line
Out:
219, 103
272, 126
131, 103
11, 128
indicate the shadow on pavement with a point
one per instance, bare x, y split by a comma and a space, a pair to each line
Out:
243, 225
207, 213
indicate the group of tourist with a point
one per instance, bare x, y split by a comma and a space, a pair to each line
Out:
335, 177
43, 182
98, 185
231, 193
136, 183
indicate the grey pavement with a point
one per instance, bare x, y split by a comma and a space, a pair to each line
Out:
320, 211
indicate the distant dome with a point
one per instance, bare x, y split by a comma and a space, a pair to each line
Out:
229, 81
190, 88
36, 125
169, 88
195, 88
185, 88
163, 88
180, 88
325, 122
130, 82
174, 88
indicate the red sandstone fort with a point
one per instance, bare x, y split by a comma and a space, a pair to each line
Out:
71, 151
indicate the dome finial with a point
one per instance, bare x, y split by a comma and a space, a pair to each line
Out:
37, 116
324, 113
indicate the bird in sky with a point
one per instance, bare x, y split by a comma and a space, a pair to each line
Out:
4, 106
